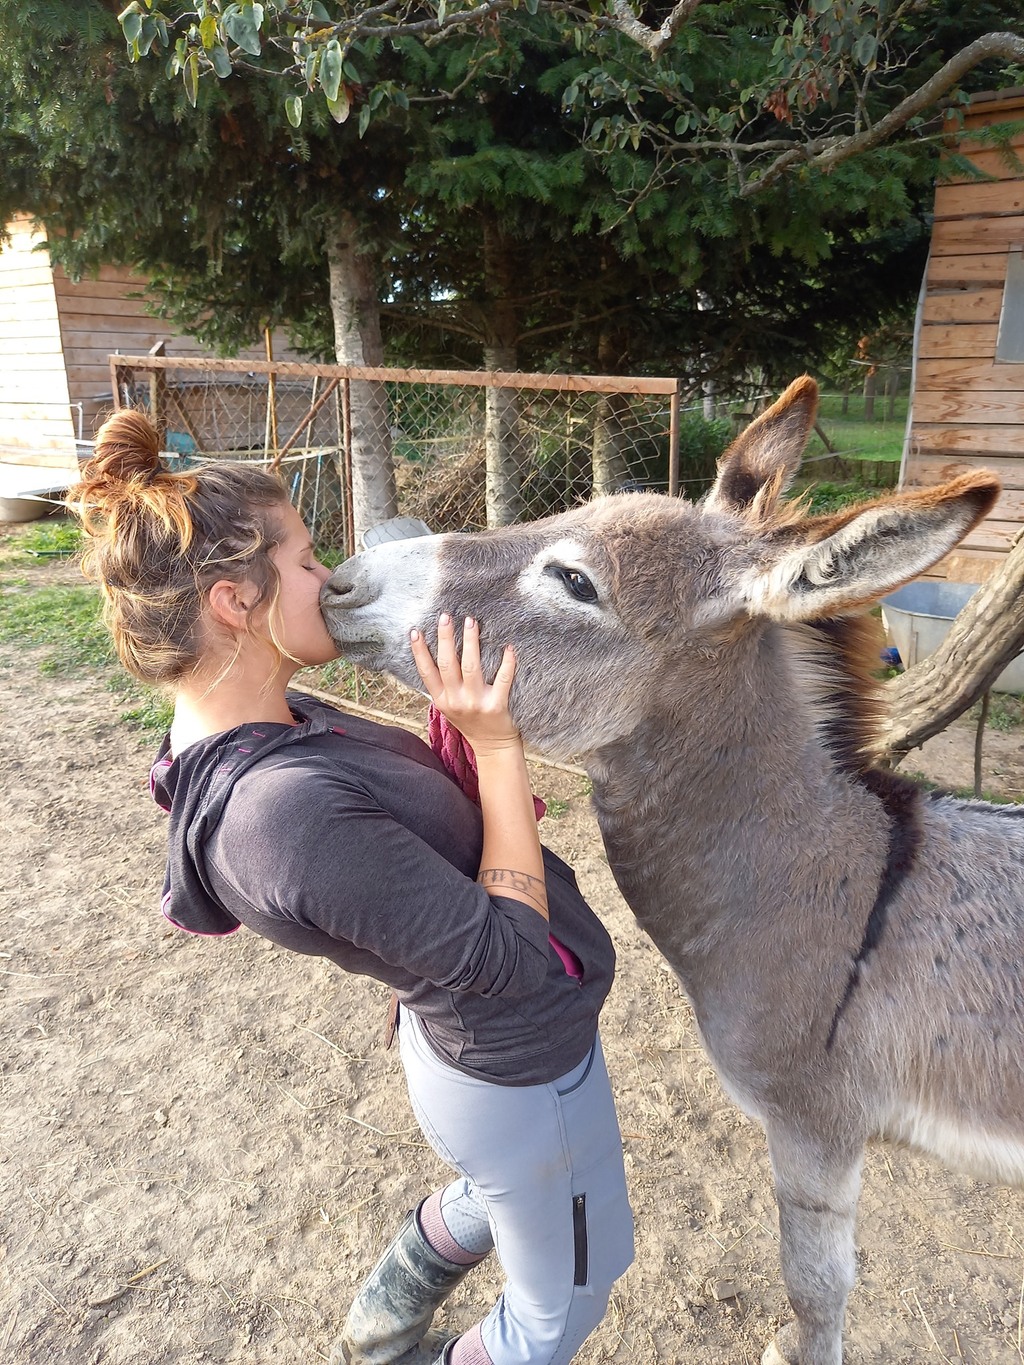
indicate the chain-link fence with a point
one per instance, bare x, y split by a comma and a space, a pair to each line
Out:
465, 449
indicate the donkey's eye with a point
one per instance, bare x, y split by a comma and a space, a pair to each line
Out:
578, 583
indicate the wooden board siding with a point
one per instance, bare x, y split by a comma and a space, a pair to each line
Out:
35, 417
967, 410
97, 317
56, 339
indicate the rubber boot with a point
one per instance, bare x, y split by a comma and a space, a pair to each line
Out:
394, 1308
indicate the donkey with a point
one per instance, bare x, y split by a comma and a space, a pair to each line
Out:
851, 944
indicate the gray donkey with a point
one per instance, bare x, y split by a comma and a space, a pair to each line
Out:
852, 945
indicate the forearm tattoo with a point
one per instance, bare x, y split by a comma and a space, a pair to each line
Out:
494, 879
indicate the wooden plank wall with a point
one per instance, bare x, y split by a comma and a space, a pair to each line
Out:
56, 338
99, 318
967, 410
35, 416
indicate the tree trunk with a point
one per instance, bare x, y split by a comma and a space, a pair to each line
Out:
986, 635
504, 494
357, 340
892, 388
502, 435
609, 466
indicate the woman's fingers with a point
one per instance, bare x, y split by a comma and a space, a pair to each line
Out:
506, 672
447, 656
450, 678
425, 666
471, 651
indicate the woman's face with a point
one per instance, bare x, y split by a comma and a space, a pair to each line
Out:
299, 626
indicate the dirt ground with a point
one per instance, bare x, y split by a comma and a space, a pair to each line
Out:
203, 1144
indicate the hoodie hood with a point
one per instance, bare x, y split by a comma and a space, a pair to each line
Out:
194, 787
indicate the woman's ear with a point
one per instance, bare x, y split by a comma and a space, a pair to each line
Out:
230, 603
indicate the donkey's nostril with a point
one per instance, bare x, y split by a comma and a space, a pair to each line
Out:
335, 594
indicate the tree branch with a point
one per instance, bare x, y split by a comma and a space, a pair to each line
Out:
986, 636
651, 39
826, 153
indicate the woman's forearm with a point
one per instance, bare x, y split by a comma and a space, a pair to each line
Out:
511, 863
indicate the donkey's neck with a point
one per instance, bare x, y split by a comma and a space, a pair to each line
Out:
744, 818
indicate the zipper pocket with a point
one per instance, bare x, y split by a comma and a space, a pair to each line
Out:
579, 1239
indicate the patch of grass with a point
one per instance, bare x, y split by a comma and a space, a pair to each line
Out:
54, 538
330, 556
152, 714
556, 808
66, 624
65, 621
852, 436
964, 793
1005, 711
51, 538
339, 678
830, 409
832, 497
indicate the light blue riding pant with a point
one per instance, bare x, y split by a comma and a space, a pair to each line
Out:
545, 1163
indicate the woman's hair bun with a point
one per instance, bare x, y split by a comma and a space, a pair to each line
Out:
127, 449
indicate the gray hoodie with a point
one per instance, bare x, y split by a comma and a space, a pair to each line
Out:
348, 840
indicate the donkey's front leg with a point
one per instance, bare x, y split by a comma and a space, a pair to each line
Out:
817, 1188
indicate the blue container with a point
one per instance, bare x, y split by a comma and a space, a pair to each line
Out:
917, 618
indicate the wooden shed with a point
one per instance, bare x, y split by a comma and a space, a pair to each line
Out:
967, 402
56, 339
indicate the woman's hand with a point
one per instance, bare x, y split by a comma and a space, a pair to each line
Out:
479, 710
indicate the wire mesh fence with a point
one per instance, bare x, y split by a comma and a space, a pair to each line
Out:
464, 449
459, 450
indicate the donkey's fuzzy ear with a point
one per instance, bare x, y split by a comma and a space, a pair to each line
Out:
761, 463
850, 559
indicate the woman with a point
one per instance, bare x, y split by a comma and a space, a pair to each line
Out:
334, 836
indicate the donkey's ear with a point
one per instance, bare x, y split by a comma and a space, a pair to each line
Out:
760, 464
848, 560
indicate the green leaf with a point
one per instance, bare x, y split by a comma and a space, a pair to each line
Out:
351, 72
293, 110
221, 61
147, 35
190, 78
532, 6
330, 70
317, 11
311, 69
865, 48
240, 26
209, 34
340, 107
131, 25
364, 119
